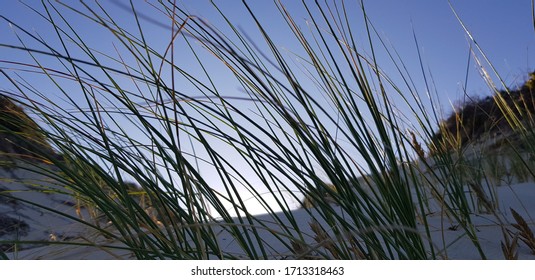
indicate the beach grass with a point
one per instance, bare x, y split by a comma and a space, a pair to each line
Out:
162, 156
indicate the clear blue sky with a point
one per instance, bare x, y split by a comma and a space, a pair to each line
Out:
504, 30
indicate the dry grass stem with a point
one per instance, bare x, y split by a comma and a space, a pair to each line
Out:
510, 248
525, 233
483, 199
324, 239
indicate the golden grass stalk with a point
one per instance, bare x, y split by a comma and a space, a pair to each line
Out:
482, 198
525, 232
324, 239
510, 248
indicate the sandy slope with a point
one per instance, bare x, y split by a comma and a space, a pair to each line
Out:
35, 224
43, 222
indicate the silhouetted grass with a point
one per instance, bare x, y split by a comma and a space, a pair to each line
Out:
161, 150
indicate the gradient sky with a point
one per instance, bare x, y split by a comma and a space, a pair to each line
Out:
503, 29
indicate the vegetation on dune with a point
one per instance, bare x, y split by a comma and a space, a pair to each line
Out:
499, 114
20, 136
